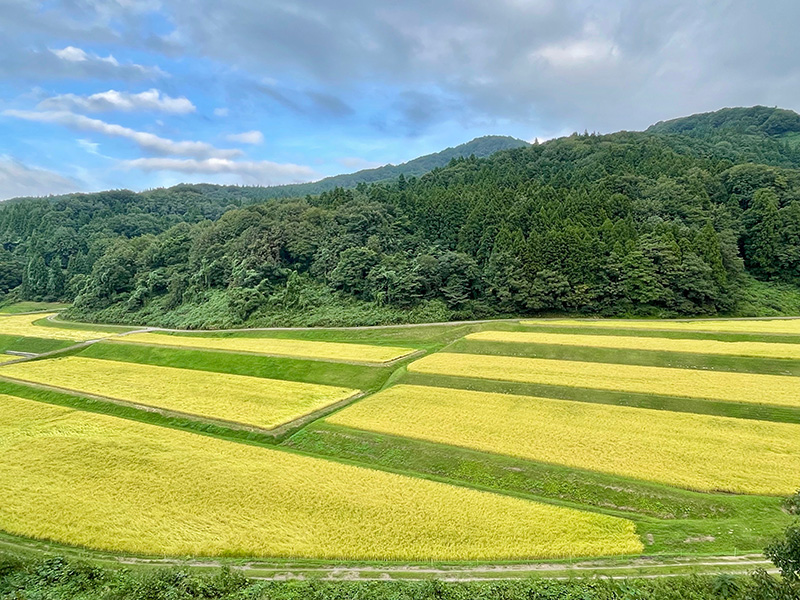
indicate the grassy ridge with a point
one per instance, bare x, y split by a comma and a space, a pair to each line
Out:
289, 369
30, 344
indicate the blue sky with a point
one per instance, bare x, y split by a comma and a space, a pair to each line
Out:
148, 93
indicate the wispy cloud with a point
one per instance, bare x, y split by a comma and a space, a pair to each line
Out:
18, 179
75, 55
146, 141
261, 172
113, 100
248, 137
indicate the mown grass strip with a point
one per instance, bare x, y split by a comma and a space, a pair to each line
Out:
26, 307
758, 412
748, 349
288, 369
645, 358
751, 388
273, 346
774, 326
105, 483
32, 345
263, 403
699, 452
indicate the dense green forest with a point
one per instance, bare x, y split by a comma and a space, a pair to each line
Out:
696, 216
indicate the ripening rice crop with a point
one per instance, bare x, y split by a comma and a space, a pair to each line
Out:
700, 452
107, 483
253, 401
790, 326
760, 349
23, 325
4, 358
276, 346
689, 383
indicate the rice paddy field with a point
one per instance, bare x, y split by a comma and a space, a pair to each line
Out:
726, 387
255, 401
276, 346
487, 442
111, 484
679, 449
38, 326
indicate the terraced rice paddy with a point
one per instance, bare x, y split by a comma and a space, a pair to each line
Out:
276, 346
23, 325
102, 482
4, 358
700, 452
264, 403
781, 326
729, 387
757, 349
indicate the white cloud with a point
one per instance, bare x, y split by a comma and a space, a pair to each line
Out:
71, 54
74, 55
248, 137
147, 141
262, 172
112, 100
17, 179
221, 112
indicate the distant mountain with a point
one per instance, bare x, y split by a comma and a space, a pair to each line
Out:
479, 147
748, 121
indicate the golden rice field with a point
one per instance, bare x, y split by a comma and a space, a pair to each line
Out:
117, 485
714, 385
23, 325
788, 326
264, 403
276, 346
4, 358
700, 452
756, 349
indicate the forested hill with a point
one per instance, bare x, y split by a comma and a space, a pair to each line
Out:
479, 147
699, 216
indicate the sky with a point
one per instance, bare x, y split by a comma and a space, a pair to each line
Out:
137, 94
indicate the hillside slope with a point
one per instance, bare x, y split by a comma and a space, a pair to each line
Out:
650, 223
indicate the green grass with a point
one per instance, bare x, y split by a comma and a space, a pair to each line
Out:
671, 516
290, 369
762, 412
60, 324
649, 358
32, 345
427, 337
26, 307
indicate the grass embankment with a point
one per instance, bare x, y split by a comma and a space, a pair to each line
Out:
289, 369
263, 403
28, 307
111, 484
